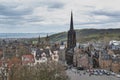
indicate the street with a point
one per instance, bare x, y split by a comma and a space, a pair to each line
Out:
74, 75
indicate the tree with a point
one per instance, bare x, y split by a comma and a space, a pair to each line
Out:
44, 71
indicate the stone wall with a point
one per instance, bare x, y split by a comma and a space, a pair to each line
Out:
115, 67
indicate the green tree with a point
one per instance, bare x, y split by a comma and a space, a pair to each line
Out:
45, 71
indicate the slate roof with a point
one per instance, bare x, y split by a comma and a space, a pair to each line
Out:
38, 53
47, 52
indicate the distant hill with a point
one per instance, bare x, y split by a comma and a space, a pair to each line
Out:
89, 34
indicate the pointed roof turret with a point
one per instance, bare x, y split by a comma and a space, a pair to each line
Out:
39, 39
47, 38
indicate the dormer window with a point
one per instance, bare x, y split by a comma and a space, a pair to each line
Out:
43, 55
38, 55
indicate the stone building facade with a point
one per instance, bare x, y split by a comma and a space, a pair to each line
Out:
71, 43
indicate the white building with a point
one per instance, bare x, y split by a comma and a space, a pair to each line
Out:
44, 55
114, 45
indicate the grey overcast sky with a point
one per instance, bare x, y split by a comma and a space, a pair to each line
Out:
54, 15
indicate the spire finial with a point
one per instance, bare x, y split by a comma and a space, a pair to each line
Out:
39, 39
47, 37
71, 21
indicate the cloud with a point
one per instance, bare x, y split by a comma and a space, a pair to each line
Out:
112, 16
107, 13
55, 5
17, 14
53, 15
50, 4
6, 10
18, 20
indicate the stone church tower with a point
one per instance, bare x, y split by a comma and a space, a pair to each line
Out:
71, 43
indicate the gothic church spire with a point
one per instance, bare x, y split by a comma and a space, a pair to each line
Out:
71, 21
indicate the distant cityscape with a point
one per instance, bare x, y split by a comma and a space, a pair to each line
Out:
59, 39
37, 57
23, 35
